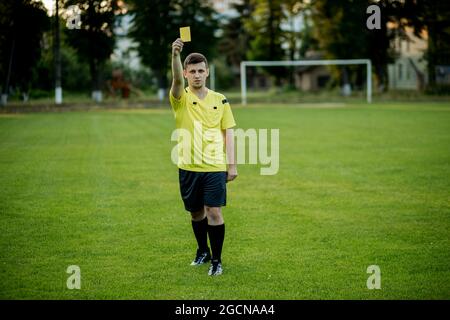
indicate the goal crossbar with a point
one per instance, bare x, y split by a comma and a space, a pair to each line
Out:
244, 64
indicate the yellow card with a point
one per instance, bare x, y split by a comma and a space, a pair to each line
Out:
185, 34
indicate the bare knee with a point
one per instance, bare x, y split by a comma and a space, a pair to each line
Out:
198, 215
214, 215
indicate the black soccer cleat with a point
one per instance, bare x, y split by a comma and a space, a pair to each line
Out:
201, 257
215, 269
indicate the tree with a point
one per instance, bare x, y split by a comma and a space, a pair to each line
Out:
340, 29
341, 33
264, 26
235, 40
379, 41
95, 41
293, 9
308, 41
433, 17
156, 25
73, 71
23, 23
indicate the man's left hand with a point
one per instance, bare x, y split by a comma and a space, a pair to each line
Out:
232, 173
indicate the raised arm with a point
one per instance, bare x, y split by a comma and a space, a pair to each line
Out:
177, 69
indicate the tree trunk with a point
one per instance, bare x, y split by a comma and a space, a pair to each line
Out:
162, 84
381, 77
57, 58
8, 74
96, 81
346, 88
432, 43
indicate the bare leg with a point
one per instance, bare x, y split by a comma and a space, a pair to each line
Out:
214, 215
198, 215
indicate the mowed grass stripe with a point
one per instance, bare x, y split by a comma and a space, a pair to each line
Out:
357, 186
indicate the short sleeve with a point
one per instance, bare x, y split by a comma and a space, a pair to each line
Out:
177, 103
227, 118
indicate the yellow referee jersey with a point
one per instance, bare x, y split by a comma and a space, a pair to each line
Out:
200, 123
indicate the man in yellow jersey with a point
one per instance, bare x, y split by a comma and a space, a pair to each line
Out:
201, 112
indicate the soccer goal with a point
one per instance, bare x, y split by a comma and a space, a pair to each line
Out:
245, 64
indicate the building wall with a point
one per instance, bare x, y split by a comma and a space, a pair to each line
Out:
309, 80
409, 71
403, 75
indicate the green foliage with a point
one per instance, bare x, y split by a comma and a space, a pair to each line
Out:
142, 78
235, 40
308, 41
156, 25
224, 74
438, 89
95, 41
264, 26
75, 74
434, 17
340, 30
23, 23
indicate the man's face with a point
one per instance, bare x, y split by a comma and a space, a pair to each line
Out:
196, 74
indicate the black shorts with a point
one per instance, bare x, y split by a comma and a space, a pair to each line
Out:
200, 189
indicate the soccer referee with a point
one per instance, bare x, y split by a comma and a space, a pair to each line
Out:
203, 183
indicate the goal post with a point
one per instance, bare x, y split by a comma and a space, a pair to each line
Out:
244, 65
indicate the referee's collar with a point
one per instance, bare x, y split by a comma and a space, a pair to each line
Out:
188, 90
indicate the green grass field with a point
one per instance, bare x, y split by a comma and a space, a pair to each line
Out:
358, 185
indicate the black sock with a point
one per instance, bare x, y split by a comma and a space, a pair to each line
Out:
216, 237
201, 233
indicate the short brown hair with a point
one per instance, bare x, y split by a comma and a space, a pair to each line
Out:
195, 58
